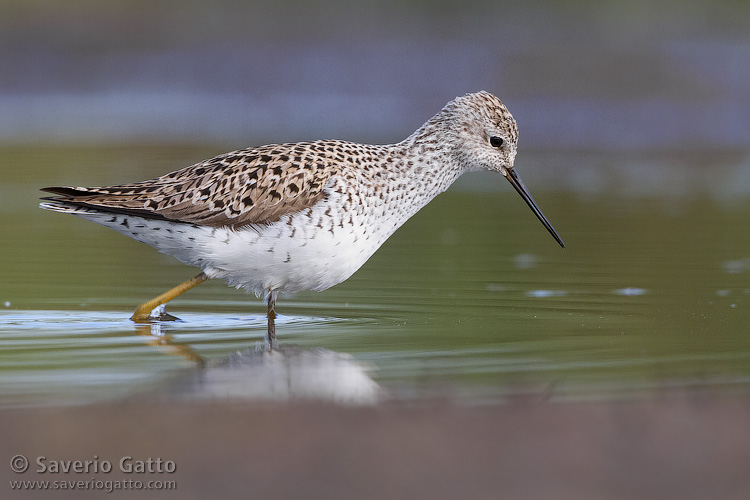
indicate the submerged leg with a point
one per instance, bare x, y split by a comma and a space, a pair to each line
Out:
142, 313
271, 336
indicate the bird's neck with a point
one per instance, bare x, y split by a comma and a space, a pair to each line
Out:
429, 157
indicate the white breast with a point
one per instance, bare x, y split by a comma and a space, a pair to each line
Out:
310, 250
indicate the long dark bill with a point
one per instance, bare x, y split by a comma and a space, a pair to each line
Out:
518, 184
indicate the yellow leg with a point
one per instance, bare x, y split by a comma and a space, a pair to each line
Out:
158, 336
142, 313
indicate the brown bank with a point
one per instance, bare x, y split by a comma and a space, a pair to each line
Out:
677, 446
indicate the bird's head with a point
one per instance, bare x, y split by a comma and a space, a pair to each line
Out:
485, 136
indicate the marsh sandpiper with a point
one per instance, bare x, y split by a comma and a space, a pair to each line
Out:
301, 216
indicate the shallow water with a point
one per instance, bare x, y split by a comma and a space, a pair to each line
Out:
471, 299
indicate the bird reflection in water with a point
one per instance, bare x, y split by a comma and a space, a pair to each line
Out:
284, 374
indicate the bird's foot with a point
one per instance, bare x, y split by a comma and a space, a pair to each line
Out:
158, 313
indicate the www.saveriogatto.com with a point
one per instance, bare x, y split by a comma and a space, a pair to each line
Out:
53, 474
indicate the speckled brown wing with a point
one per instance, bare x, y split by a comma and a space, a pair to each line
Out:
251, 186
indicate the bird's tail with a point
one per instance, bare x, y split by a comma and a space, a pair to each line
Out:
64, 208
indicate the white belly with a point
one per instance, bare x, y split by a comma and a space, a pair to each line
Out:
287, 257
309, 250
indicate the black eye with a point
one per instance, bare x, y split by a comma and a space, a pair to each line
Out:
496, 141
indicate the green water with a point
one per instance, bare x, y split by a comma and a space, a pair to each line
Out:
470, 299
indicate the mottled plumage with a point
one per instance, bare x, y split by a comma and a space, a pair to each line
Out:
289, 217
248, 186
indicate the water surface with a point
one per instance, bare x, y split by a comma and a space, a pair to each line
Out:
471, 299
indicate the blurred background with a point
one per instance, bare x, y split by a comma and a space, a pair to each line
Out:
580, 74
634, 120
